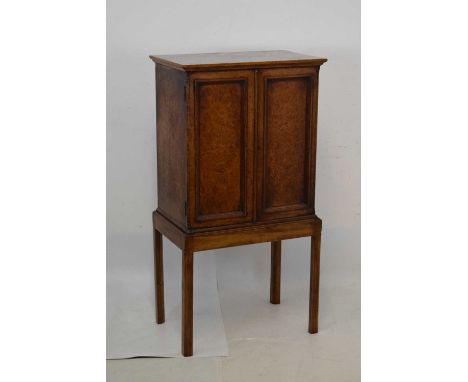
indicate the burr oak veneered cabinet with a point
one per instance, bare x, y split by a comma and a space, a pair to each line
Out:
236, 148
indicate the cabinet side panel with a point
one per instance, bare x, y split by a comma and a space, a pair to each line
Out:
171, 117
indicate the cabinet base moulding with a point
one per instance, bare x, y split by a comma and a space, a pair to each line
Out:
231, 237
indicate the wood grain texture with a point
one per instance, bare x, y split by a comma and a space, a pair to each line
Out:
221, 138
221, 162
252, 235
171, 121
228, 237
275, 276
236, 60
314, 282
187, 303
286, 136
169, 229
159, 276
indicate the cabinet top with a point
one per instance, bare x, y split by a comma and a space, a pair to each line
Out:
237, 60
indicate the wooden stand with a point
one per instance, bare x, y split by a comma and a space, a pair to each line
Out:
195, 242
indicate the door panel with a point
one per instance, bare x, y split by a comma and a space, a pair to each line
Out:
222, 150
286, 134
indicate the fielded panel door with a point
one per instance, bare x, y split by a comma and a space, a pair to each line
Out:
220, 147
286, 136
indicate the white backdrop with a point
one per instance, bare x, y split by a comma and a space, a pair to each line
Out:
328, 28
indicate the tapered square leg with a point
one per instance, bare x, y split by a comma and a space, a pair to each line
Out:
187, 303
314, 283
275, 277
158, 276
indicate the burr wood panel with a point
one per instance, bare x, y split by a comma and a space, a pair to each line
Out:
223, 147
286, 136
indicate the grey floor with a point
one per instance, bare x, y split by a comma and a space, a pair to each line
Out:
270, 342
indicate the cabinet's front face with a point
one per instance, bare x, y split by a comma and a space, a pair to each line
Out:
221, 148
286, 134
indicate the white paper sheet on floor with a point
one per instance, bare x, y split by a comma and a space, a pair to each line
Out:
131, 327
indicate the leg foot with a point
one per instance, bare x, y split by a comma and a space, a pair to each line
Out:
275, 277
187, 303
314, 283
158, 276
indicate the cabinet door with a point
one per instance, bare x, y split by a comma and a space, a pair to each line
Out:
286, 135
221, 135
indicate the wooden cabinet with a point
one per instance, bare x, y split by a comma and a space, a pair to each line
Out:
236, 151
